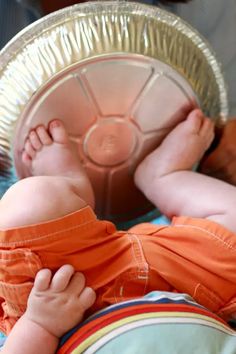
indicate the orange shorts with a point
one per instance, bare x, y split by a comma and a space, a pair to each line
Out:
192, 256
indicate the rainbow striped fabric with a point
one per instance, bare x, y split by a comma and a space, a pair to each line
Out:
159, 323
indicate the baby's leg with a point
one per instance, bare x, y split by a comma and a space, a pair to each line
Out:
59, 185
165, 176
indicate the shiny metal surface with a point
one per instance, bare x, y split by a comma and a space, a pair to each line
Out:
119, 75
113, 122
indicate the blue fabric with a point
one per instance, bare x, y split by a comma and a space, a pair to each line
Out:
2, 339
13, 18
6, 181
161, 220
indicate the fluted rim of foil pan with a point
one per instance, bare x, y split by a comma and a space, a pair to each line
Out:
82, 31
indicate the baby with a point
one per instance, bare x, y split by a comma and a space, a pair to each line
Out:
47, 221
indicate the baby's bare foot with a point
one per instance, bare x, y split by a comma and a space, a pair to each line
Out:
183, 147
48, 152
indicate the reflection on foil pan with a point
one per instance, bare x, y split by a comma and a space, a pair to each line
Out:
119, 75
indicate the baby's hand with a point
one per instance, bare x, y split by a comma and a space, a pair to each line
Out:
58, 303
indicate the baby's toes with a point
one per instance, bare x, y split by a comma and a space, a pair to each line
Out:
207, 127
193, 122
43, 135
29, 149
34, 140
207, 132
26, 159
58, 132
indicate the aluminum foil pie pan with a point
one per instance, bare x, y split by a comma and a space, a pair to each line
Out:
120, 75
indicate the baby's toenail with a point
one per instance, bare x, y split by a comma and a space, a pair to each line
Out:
55, 123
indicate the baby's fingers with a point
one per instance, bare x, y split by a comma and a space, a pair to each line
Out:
77, 284
42, 280
87, 298
62, 278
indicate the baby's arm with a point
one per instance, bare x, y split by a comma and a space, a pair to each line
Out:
55, 305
